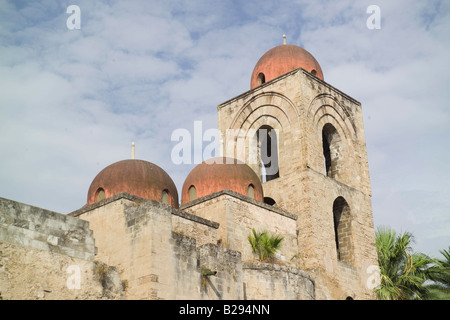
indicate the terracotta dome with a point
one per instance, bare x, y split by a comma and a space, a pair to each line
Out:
282, 59
219, 174
137, 177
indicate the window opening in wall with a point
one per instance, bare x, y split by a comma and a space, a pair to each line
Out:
332, 150
100, 194
261, 79
269, 200
268, 153
251, 191
165, 197
192, 193
342, 230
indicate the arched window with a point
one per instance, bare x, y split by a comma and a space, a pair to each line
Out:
261, 78
313, 72
343, 230
165, 197
268, 153
192, 193
100, 194
251, 191
332, 150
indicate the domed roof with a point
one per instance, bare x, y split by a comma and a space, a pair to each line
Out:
219, 174
282, 59
137, 177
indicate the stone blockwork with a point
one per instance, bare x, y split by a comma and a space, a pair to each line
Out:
279, 282
32, 274
238, 215
45, 230
165, 253
318, 127
47, 255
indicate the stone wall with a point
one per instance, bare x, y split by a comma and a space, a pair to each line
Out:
262, 280
158, 250
238, 215
47, 255
164, 253
45, 230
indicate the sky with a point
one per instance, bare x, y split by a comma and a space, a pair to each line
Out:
73, 100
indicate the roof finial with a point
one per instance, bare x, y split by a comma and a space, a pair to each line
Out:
132, 150
284, 39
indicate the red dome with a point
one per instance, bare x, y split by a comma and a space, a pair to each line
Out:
219, 174
282, 59
137, 177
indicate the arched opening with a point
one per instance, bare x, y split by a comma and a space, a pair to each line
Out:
192, 193
349, 298
261, 79
269, 201
332, 150
165, 197
313, 72
268, 153
100, 194
251, 191
343, 230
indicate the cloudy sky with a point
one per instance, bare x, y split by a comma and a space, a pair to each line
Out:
72, 101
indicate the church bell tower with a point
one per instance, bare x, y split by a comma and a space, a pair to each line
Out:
305, 140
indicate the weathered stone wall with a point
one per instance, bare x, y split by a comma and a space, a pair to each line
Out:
238, 215
33, 274
45, 230
262, 280
163, 253
47, 255
226, 266
158, 249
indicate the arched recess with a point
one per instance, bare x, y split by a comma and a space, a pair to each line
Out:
325, 113
100, 194
165, 197
267, 146
265, 110
342, 221
333, 151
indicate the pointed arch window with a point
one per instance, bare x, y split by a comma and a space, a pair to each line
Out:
332, 151
342, 230
268, 153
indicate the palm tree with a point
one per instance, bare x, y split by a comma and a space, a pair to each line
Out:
264, 244
444, 278
439, 289
403, 272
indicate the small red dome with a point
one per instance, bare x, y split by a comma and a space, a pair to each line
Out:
219, 174
282, 59
137, 177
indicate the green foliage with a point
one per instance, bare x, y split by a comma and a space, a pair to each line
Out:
403, 272
264, 245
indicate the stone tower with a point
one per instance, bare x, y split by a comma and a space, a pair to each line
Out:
305, 140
